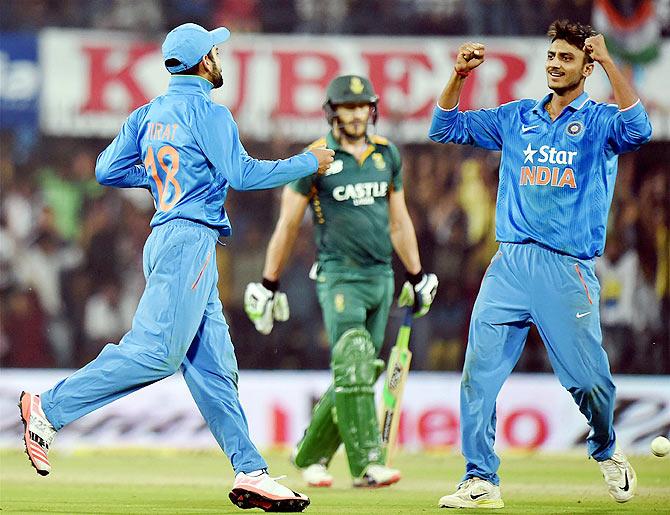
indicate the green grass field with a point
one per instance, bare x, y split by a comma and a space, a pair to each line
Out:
131, 481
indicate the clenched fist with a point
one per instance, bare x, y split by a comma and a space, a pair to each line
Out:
325, 158
470, 55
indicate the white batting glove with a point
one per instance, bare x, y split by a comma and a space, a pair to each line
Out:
263, 307
419, 291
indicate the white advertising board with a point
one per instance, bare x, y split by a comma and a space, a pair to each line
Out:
534, 411
275, 85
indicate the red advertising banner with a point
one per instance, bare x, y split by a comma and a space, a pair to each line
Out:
275, 85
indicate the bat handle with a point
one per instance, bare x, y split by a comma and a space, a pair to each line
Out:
409, 316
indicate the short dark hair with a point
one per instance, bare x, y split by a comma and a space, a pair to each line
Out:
193, 70
573, 32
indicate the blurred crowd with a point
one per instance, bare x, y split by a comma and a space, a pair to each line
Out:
388, 17
71, 255
71, 250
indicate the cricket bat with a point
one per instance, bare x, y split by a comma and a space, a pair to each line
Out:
394, 385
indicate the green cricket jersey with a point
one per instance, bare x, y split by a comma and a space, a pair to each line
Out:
350, 206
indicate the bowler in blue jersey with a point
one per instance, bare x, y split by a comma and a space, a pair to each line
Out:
185, 149
556, 180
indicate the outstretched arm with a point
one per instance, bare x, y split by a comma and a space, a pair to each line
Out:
292, 210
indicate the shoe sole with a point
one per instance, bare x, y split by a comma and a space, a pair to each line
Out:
488, 504
26, 436
320, 484
247, 499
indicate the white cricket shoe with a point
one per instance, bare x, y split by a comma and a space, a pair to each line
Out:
259, 490
620, 477
317, 475
38, 433
375, 476
473, 493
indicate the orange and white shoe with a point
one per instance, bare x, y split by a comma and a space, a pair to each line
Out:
38, 432
259, 490
316, 475
376, 476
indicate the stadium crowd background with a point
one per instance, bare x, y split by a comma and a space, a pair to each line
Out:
70, 250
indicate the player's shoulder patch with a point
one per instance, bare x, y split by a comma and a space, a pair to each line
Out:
379, 140
321, 142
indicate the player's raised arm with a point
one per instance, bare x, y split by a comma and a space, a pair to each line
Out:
449, 125
263, 302
630, 128
470, 55
624, 94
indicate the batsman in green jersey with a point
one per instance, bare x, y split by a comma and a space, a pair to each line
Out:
359, 211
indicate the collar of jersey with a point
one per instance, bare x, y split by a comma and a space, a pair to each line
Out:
189, 84
575, 105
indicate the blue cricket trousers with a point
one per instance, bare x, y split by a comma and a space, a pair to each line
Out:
525, 284
179, 323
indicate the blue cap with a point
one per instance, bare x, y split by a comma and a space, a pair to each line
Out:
188, 43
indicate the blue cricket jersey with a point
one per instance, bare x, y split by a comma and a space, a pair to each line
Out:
190, 153
556, 179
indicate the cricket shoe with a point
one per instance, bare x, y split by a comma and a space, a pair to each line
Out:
38, 432
619, 476
376, 476
317, 475
262, 491
473, 493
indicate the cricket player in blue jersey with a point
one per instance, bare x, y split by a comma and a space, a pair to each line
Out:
556, 180
186, 150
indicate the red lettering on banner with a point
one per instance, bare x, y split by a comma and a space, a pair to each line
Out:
242, 58
280, 420
537, 418
290, 81
101, 76
438, 427
378, 64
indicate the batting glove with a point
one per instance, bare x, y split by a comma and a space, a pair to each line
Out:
264, 305
418, 291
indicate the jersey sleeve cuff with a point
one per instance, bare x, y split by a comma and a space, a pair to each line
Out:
438, 106
630, 112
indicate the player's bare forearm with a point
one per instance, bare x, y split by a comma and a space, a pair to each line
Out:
405, 244
279, 250
292, 210
470, 55
452, 92
624, 94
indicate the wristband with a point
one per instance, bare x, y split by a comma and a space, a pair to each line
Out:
414, 279
461, 74
273, 286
